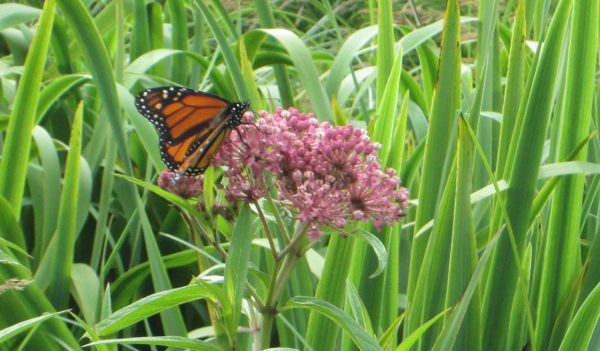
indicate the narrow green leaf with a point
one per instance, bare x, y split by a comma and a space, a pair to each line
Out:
10, 245
168, 341
358, 308
307, 72
91, 334
378, 249
266, 20
15, 153
23, 326
140, 33
322, 333
159, 191
50, 184
388, 338
179, 40
463, 247
515, 84
445, 104
580, 330
236, 267
53, 91
14, 14
361, 338
233, 66
429, 292
561, 262
149, 306
58, 259
10, 229
249, 78
420, 35
85, 287
385, 124
399, 139
448, 335
504, 273
156, 15
98, 62
412, 339
385, 48
343, 59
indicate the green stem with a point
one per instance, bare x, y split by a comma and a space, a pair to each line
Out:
284, 265
278, 218
261, 215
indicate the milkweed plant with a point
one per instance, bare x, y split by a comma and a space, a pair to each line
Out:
325, 178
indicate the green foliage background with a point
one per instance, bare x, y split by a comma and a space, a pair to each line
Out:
488, 110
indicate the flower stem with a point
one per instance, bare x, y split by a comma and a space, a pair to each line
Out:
284, 265
266, 228
280, 223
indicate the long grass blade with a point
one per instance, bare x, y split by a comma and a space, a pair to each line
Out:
15, 153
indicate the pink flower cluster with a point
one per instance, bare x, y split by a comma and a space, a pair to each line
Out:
329, 175
184, 186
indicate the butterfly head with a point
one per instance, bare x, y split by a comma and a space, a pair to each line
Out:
237, 110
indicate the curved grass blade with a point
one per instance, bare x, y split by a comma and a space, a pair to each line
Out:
307, 72
167, 341
14, 14
23, 326
580, 331
149, 306
362, 339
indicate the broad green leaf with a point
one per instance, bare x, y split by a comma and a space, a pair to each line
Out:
85, 287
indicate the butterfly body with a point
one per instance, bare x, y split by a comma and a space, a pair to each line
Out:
191, 124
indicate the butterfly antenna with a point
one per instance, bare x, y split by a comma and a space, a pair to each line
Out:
240, 135
266, 98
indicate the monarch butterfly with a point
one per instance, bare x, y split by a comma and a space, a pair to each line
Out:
191, 125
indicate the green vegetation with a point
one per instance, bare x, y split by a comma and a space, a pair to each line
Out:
487, 111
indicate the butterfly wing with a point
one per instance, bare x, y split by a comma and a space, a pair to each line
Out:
192, 124
192, 156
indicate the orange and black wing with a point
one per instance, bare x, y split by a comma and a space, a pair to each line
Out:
191, 124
